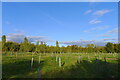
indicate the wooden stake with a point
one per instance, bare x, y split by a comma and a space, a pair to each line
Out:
31, 62
59, 62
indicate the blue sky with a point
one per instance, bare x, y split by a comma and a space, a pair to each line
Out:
62, 21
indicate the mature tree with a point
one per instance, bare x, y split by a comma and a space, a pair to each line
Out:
31, 47
11, 46
25, 40
74, 48
110, 47
3, 41
90, 48
21, 47
57, 44
116, 49
41, 42
119, 48
25, 45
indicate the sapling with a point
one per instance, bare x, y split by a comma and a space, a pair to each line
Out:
11, 54
78, 59
31, 62
59, 62
56, 58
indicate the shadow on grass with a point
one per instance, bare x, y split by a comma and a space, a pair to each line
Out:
21, 69
86, 69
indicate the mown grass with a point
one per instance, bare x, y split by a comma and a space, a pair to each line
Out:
92, 65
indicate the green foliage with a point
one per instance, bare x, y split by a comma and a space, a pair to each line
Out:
57, 44
110, 47
11, 46
26, 46
3, 39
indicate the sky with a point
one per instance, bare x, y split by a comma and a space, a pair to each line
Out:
70, 23
60, 0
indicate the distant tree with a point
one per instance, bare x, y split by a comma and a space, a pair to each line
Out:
31, 47
57, 44
57, 48
102, 49
21, 47
110, 47
41, 42
3, 39
37, 46
25, 40
11, 46
69, 49
25, 45
116, 49
90, 48
3, 42
74, 48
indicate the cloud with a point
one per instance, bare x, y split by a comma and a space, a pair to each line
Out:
18, 37
96, 29
86, 31
38, 38
85, 42
111, 39
101, 12
19, 31
95, 21
88, 11
110, 33
113, 31
100, 28
15, 37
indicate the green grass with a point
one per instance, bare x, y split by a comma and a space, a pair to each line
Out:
20, 66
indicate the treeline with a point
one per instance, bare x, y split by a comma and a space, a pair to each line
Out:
42, 47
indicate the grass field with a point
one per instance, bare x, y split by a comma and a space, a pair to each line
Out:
91, 65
